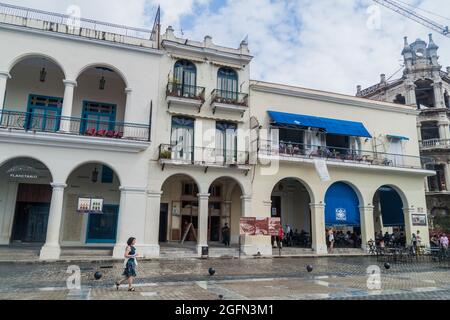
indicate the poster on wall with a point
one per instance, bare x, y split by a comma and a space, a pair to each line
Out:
262, 227
274, 226
419, 220
90, 205
84, 204
247, 226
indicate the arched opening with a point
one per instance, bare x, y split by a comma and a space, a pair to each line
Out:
185, 79
291, 202
342, 214
179, 210
86, 224
25, 198
425, 94
34, 95
224, 212
389, 218
99, 103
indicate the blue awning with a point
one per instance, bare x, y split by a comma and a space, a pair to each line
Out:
341, 206
397, 137
332, 126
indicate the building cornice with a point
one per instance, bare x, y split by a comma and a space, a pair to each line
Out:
82, 39
209, 53
72, 142
342, 100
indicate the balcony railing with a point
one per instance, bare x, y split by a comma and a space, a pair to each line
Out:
343, 155
185, 91
202, 156
435, 143
73, 22
40, 122
229, 97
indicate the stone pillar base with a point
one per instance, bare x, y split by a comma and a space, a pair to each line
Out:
4, 241
119, 251
253, 249
322, 250
149, 251
50, 252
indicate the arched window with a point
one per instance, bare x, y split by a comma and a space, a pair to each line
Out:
227, 83
185, 77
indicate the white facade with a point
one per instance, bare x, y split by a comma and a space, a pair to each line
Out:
167, 134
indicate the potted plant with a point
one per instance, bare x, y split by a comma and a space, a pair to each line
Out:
166, 154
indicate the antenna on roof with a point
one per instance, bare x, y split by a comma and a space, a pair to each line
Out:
156, 31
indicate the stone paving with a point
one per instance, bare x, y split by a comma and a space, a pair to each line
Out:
249, 279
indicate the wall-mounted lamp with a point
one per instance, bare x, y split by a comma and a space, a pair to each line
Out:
94, 177
43, 75
102, 83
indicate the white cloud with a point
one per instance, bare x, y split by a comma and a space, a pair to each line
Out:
322, 44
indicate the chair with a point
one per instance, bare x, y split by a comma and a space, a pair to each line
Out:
110, 134
118, 135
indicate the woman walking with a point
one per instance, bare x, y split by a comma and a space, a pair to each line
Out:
331, 239
129, 265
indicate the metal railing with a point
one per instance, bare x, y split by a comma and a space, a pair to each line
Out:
72, 22
435, 143
338, 154
41, 122
229, 97
203, 156
181, 90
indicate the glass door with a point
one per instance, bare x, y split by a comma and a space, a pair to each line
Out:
102, 228
226, 142
43, 113
98, 118
182, 139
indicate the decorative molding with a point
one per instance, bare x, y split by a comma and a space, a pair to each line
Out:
211, 53
58, 186
126, 189
5, 74
71, 141
343, 100
203, 196
70, 83
154, 194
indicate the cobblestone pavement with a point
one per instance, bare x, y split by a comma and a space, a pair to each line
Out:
254, 279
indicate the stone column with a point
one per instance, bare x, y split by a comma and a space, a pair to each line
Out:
443, 130
66, 113
438, 95
52, 250
127, 130
131, 222
4, 76
419, 131
407, 212
246, 206
447, 176
152, 224
367, 225
319, 243
410, 94
203, 215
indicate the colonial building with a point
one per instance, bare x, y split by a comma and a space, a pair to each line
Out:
424, 86
172, 139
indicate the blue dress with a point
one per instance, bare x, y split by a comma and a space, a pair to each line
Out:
130, 268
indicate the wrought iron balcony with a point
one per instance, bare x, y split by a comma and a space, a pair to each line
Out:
179, 90
177, 154
229, 97
286, 150
40, 122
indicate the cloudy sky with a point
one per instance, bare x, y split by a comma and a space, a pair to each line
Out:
328, 44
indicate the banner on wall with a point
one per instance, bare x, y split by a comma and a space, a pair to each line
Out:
251, 226
274, 226
322, 170
90, 205
247, 226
